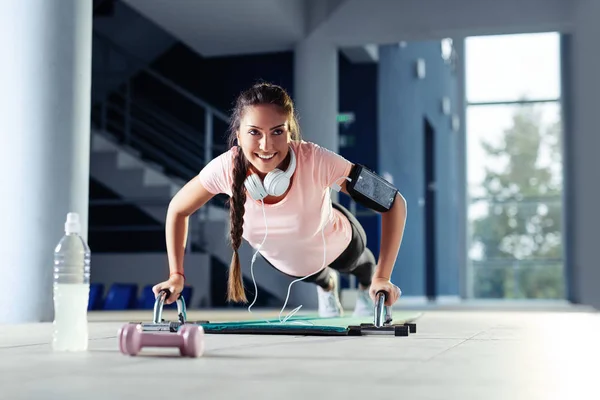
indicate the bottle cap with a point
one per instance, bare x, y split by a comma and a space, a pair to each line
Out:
72, 225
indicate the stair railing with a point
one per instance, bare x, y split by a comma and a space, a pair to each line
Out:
135, 112
135, 117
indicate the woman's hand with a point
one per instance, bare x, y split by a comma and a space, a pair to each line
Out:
392, 291
174, 284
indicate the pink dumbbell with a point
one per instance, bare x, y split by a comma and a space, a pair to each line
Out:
189, 339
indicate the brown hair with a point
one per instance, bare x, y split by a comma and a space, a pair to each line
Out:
261, 93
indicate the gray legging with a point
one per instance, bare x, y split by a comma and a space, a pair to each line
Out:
356, 259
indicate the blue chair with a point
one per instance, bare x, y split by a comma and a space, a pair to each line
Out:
121, 296
95, 298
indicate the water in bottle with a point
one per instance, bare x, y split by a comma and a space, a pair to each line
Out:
71, 289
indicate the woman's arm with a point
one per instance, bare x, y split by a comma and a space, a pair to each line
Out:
188, 200
392, 230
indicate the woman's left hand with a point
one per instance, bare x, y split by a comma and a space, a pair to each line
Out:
381, 284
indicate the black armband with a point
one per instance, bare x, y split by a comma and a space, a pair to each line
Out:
370, 190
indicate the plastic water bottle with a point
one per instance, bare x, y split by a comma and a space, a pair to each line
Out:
71, 289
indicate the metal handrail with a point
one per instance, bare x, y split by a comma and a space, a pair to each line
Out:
155, 113
159, 155
149, 116
135, 132
154, 133
160, 135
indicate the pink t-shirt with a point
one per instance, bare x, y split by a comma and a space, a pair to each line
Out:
294, 243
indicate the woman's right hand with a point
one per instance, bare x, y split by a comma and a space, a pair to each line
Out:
174, 284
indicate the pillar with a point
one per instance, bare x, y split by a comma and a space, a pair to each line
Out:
44, 153
316, 91
581, 142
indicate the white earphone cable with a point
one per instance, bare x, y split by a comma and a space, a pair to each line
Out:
295, 310
254, 258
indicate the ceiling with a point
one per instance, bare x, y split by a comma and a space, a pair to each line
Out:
237, 27
227, 27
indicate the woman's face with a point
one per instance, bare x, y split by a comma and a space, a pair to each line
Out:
264, 137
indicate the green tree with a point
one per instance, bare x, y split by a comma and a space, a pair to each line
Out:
521, 230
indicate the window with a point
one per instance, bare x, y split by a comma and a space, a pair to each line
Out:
514, 166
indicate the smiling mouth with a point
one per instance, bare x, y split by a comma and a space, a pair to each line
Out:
265, 156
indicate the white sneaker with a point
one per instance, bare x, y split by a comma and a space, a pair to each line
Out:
364, 305
329, 302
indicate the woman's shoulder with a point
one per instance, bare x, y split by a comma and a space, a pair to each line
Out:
323, 165
217, 175
226, 156
308, 149
221, 164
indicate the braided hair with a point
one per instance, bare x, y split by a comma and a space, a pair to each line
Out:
261, 93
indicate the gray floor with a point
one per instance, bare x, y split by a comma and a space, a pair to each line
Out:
487, 354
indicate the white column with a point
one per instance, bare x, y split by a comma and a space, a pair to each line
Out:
45, 81
316, 91
583, 144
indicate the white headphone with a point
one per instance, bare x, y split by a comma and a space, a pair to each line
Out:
275, 184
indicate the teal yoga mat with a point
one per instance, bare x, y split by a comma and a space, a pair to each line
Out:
306, 325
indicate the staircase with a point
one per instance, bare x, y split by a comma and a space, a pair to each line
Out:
123, 171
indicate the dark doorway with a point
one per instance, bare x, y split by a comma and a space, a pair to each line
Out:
430, 189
